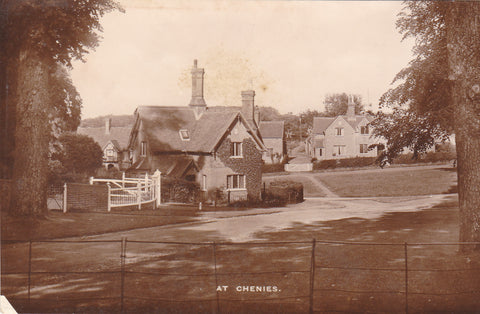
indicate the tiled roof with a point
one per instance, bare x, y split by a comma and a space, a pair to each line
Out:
318, 143
272, 129
320, 124
118, 134
162, 126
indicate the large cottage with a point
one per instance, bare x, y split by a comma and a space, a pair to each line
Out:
219, 148
343, 136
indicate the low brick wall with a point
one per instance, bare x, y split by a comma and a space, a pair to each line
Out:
5, 188
237, 196
299, 167
87, 197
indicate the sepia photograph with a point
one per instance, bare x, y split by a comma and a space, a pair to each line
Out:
239, 156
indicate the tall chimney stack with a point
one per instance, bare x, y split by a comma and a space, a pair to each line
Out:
197, 86
351, 109
248, 105
108, 125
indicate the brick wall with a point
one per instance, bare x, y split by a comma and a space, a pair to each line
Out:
5, 188
87, 197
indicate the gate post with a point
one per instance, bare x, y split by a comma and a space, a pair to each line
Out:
109, 198
139, 195
157, 179
65, 197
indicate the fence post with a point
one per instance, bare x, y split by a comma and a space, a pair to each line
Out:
406, 278
29, 268
123, 179
109, 197
158, 187
123, 255
312, 275
65, 197
90, 180
139, 195
216, 275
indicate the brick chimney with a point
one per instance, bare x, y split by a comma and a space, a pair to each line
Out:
248, 105
351, 109
197, 86
108, 125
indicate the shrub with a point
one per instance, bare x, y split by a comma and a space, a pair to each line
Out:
325, 164
283, 191
356, 162
178, 190
266, 168
425, 158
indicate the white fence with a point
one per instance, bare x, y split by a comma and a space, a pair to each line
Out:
132, 191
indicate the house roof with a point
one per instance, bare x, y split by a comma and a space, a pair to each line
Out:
162, 125
118, 136
272, 129
318, 143
320, 124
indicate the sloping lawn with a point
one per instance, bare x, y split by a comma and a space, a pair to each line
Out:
390, 182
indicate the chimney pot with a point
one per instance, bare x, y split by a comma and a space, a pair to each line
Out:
197, 86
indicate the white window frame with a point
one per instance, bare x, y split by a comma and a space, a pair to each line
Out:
364, 130
237, 149
238, 180
363, 148
339, 130
339, 150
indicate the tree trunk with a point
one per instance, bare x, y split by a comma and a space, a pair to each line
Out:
464, 67
32, 136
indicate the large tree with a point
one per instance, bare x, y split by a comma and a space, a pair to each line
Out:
439, 94
41, 37
336, 104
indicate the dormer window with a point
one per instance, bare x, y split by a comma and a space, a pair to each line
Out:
184, 135
237, 149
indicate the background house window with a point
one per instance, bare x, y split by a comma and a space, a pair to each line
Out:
237, 149
339, 131
236, 181
339, 150
184, 135
143, 149
363, 148
364, 129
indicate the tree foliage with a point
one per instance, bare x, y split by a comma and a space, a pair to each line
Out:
422, 108
40, 38
336, 104
78, 155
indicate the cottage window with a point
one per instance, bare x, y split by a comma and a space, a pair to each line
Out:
237, 149
363, 148
184, 135
143, 149
364, 129
339, 131
236, 181
338, 150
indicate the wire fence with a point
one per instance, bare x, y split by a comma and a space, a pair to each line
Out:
223, 277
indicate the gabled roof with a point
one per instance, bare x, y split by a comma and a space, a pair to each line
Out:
272, 129
320, 124
161, 126
118, 134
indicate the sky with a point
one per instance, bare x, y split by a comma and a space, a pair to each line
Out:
292, 53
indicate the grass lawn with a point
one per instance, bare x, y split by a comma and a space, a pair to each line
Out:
73, 224
390, 182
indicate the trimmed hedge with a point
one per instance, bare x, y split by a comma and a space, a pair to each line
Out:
429, 157
283, 191
267, 168
179, 191
355, 162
